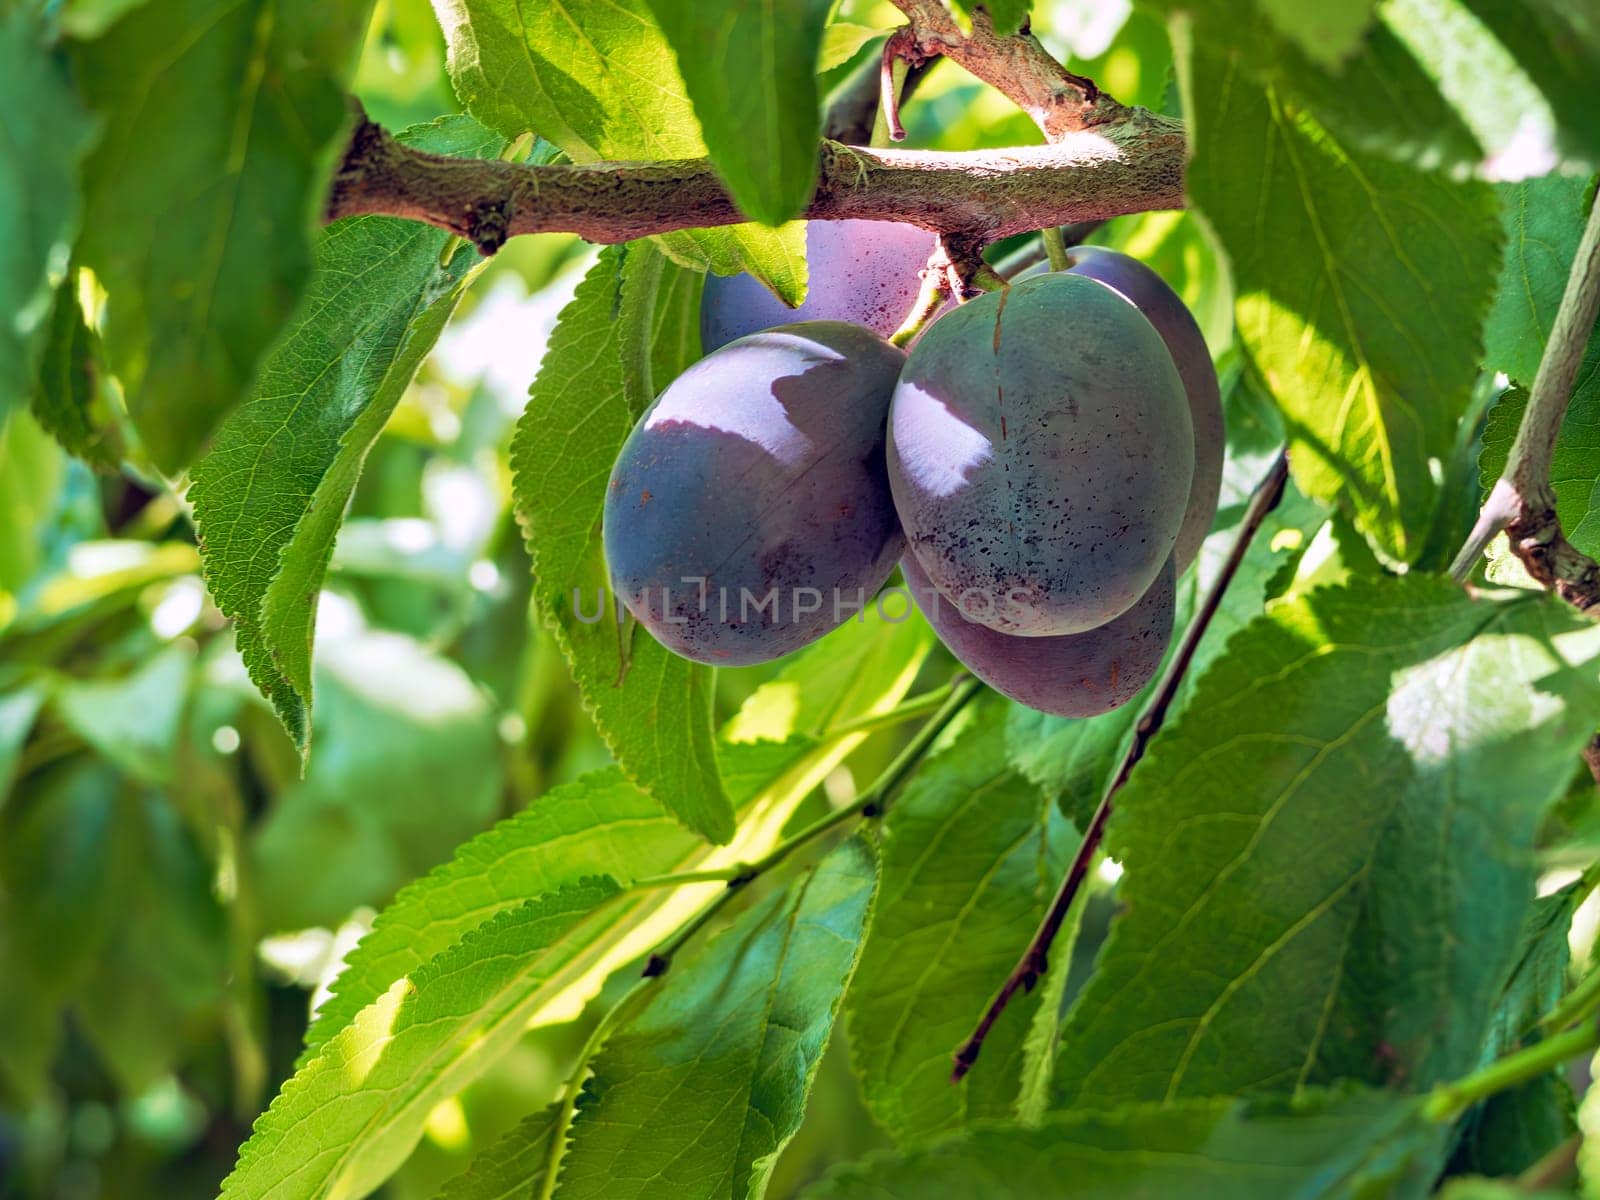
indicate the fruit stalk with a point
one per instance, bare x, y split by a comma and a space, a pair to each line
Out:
1035, 959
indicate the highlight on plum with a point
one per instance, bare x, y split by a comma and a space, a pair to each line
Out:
1043, 464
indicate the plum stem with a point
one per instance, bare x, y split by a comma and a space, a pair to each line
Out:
935, 288
1055, 247
1035, 960
1522, 502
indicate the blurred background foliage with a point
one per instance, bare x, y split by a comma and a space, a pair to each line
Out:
174, 895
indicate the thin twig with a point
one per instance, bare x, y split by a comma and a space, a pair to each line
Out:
1522, 501
854, 106
1449, 1100
899, 51
872, 802
1015, 65
1035, 959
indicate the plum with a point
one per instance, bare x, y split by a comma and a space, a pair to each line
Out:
1074, 675
749, 510
1041, 455
1163, 308
864, 272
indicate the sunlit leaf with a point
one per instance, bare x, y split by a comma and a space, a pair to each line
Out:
577, 418
1367, 335
725, 1051
219, 121
750, 71
971, 851
1353, 795
352, 1114
270, 495
600, 81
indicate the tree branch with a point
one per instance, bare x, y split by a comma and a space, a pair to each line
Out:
1103, 159
1017, 66
1135, 166
1035, 960
1522, 502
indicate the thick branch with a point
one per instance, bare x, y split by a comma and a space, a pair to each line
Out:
1059, 102
1133, 166
1523, 503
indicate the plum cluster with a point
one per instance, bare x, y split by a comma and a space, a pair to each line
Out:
1043, 465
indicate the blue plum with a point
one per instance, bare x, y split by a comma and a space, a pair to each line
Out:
1075, 675
864, 272
749, 510
1163, 308
1041, 454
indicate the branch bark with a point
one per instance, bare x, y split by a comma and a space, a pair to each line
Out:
1135, 165
1103, 159
1017, 66
1522, 502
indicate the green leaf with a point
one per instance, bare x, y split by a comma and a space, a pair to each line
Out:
597, 78
1327, 32
598, 824
750, 71
1558, 44
165, 961
1320, 1146
970, 854
270, 495
1367, 336
18, 708
410, 767
851, 673
61, 866
133, 721
220, 118
841, 41
1329, 854
513, 1167
658, 720
1540, 977
1468, 1187
1469, 87
602, 824
1380, 100
675, 333
1512, 1130
353, 1113
44, 133
699, 1092
69, 391
30, 1025
1007, 15
1543, 222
